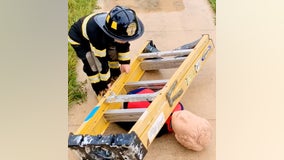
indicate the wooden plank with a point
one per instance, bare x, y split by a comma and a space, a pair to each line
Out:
183, 52
124, 115
165, 63
151, 84
131, 97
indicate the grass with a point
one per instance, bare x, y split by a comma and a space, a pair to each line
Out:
213, 5
76, 90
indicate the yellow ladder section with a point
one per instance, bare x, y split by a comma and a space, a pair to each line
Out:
169, 92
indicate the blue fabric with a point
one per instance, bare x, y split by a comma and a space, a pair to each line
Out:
92, 113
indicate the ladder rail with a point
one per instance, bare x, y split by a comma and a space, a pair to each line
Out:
153, 118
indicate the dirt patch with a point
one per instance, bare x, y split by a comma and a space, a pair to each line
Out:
170, 24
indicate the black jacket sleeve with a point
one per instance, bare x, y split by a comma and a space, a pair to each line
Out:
77, 40
123, 53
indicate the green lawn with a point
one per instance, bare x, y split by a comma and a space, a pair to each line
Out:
76, 90
213, 5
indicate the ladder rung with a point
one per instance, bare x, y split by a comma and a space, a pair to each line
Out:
151, 84
131, 97
166, 53
165, 63
124, 115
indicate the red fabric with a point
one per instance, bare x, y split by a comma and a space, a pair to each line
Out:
141, 104
145, 104
168, 122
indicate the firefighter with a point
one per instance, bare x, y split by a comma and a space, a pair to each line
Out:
101, 41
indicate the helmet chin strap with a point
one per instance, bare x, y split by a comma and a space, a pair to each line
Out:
120, 41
